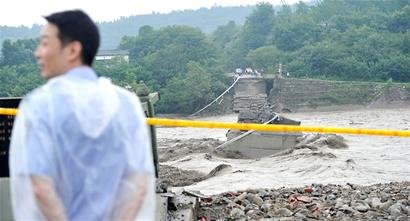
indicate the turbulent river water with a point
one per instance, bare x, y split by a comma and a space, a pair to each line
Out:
366, 160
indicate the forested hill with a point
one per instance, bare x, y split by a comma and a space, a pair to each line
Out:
205, 19
21, 32
112, 32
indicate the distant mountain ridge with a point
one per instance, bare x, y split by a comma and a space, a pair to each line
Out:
205, 19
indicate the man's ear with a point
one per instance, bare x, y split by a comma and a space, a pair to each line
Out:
74, 51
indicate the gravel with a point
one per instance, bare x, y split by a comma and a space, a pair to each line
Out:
389, 201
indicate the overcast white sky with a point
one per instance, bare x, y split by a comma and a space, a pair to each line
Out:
28, 12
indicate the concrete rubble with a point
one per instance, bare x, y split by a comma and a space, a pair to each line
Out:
389, 201
256, 144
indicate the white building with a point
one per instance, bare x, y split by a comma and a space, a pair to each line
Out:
104, 55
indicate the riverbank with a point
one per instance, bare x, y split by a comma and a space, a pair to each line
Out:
390, 201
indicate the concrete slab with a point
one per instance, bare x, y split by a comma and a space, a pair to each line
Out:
5, 200
261, 144
161, 207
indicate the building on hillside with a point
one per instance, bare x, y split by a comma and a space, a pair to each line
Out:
106, 55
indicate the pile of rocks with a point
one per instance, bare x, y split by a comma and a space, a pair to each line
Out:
316, 202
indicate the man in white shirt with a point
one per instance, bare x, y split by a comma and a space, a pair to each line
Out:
80, 148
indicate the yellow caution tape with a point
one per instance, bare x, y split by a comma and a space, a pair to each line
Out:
259, 127
276, 127
8, 111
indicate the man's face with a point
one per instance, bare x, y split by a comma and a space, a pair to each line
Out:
50, 54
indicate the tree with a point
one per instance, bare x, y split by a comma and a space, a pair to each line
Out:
265, 57
395, 66
325, 10
295, 32
224, 34
186, 94
18, 80
253, 35
18, 52
119, 71
257, 27
127, 42
330, 60
166, 52
302, 8
400, 21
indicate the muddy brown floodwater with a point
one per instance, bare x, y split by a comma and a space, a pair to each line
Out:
366, 160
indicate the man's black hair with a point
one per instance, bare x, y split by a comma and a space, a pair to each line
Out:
75, 25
